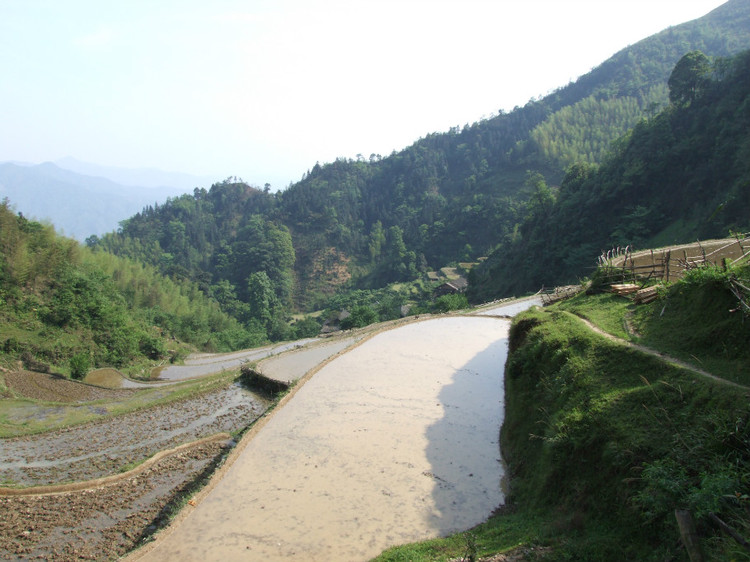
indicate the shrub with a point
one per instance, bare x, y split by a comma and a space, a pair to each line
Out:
79, 365
151, 346
446, 303
360, 317
307, 327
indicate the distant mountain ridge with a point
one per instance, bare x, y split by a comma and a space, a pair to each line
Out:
76, 205
141, 177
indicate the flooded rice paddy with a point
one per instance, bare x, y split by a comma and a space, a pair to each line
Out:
392, 441
396, 440
205, 364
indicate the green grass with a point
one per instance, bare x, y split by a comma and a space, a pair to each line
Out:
601, 415
605, 310
501, 533
694, 320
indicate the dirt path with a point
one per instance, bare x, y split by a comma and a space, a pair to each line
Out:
208, 363
659, 354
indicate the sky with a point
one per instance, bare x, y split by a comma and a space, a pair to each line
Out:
264, 89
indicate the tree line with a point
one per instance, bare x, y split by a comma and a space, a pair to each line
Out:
681, 175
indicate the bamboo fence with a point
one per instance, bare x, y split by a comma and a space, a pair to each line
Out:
670, 264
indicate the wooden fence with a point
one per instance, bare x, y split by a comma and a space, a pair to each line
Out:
670, 264
558, 293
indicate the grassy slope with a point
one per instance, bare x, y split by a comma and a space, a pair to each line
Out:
604, 442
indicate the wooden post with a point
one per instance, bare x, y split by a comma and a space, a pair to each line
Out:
653, 263
666, 263
688, 534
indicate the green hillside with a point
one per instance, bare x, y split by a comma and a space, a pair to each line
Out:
450, 197
66, 308
680, 176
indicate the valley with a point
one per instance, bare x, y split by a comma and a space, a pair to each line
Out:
341, 369
184, 440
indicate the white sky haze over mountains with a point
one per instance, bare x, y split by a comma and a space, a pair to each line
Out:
265, 89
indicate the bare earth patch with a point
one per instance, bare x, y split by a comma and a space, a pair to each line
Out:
54, 388
102, 523
94, 450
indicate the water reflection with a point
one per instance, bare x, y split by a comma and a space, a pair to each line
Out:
463, 446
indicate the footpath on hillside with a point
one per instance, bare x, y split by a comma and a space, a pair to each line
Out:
659, 354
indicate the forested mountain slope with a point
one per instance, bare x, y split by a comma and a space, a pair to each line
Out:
67, 308
680, 176
449, 197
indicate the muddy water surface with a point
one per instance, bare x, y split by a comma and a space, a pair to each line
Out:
392, 442
511, 308
294, 365
206, 364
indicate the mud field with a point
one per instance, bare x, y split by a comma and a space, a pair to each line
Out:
106, 522
106, 447
54, 388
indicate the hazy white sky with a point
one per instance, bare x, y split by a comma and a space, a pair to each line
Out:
263, 89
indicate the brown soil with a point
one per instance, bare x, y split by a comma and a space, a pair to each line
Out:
98, 449
105, 522
54, 388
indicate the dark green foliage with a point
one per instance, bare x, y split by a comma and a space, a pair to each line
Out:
583, 131
388, 303
306, 328
152, 347
683, 171
446, 303
360, 317
690, 76
449, 197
